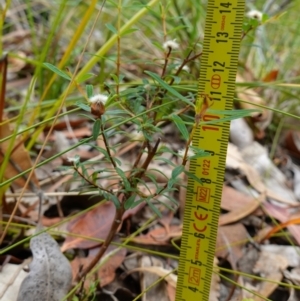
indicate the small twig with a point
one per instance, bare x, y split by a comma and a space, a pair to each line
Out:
88, 180
3, 68
138, 159
200, 111
185, 61
244, 33
151, 154
21, 219
106, 145
166, 63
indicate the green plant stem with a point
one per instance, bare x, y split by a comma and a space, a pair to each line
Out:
151, 154
38, 124
276, 138
88, 181
106, 145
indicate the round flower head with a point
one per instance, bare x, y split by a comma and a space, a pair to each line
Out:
255, 14
98, 98
98, 104
170, 45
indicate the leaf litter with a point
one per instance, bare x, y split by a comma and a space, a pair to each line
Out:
258, 195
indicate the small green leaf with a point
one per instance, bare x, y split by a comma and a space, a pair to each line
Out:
198, 153
57, 71
171, 183
83, 106
124, 178
168, 88
174, 29
152, 178
229, 115
89, 90
191, 175
84, 77
153, 208
129, 202
128, 31
111, 28
113, 198
115, 78
254, 22
103, 151
158, 171
96, 129
265, 18
181, 126
177, 171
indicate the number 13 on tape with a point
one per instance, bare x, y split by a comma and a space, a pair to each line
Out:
215, 90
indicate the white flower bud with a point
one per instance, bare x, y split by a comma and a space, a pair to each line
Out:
255, 14
98, 98
171, 44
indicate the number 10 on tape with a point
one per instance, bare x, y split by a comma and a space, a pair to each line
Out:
215, 91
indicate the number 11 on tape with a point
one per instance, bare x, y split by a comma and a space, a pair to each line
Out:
216, 88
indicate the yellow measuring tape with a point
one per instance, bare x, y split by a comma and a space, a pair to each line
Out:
216, 91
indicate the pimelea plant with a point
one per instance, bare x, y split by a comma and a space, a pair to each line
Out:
139, 113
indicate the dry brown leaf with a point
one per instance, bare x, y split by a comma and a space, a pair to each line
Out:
19, 157
159, 236
230, 241
171, 291
159, 291
251, 204
232, 199
74, 123
271, 76
290, 253
234, 160
17, 63
292, 143
106, 272
269, 266
95, 224
257, 156
293, 277
283, 215
159, 271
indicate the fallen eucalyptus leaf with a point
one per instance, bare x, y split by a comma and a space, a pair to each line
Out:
50, 273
